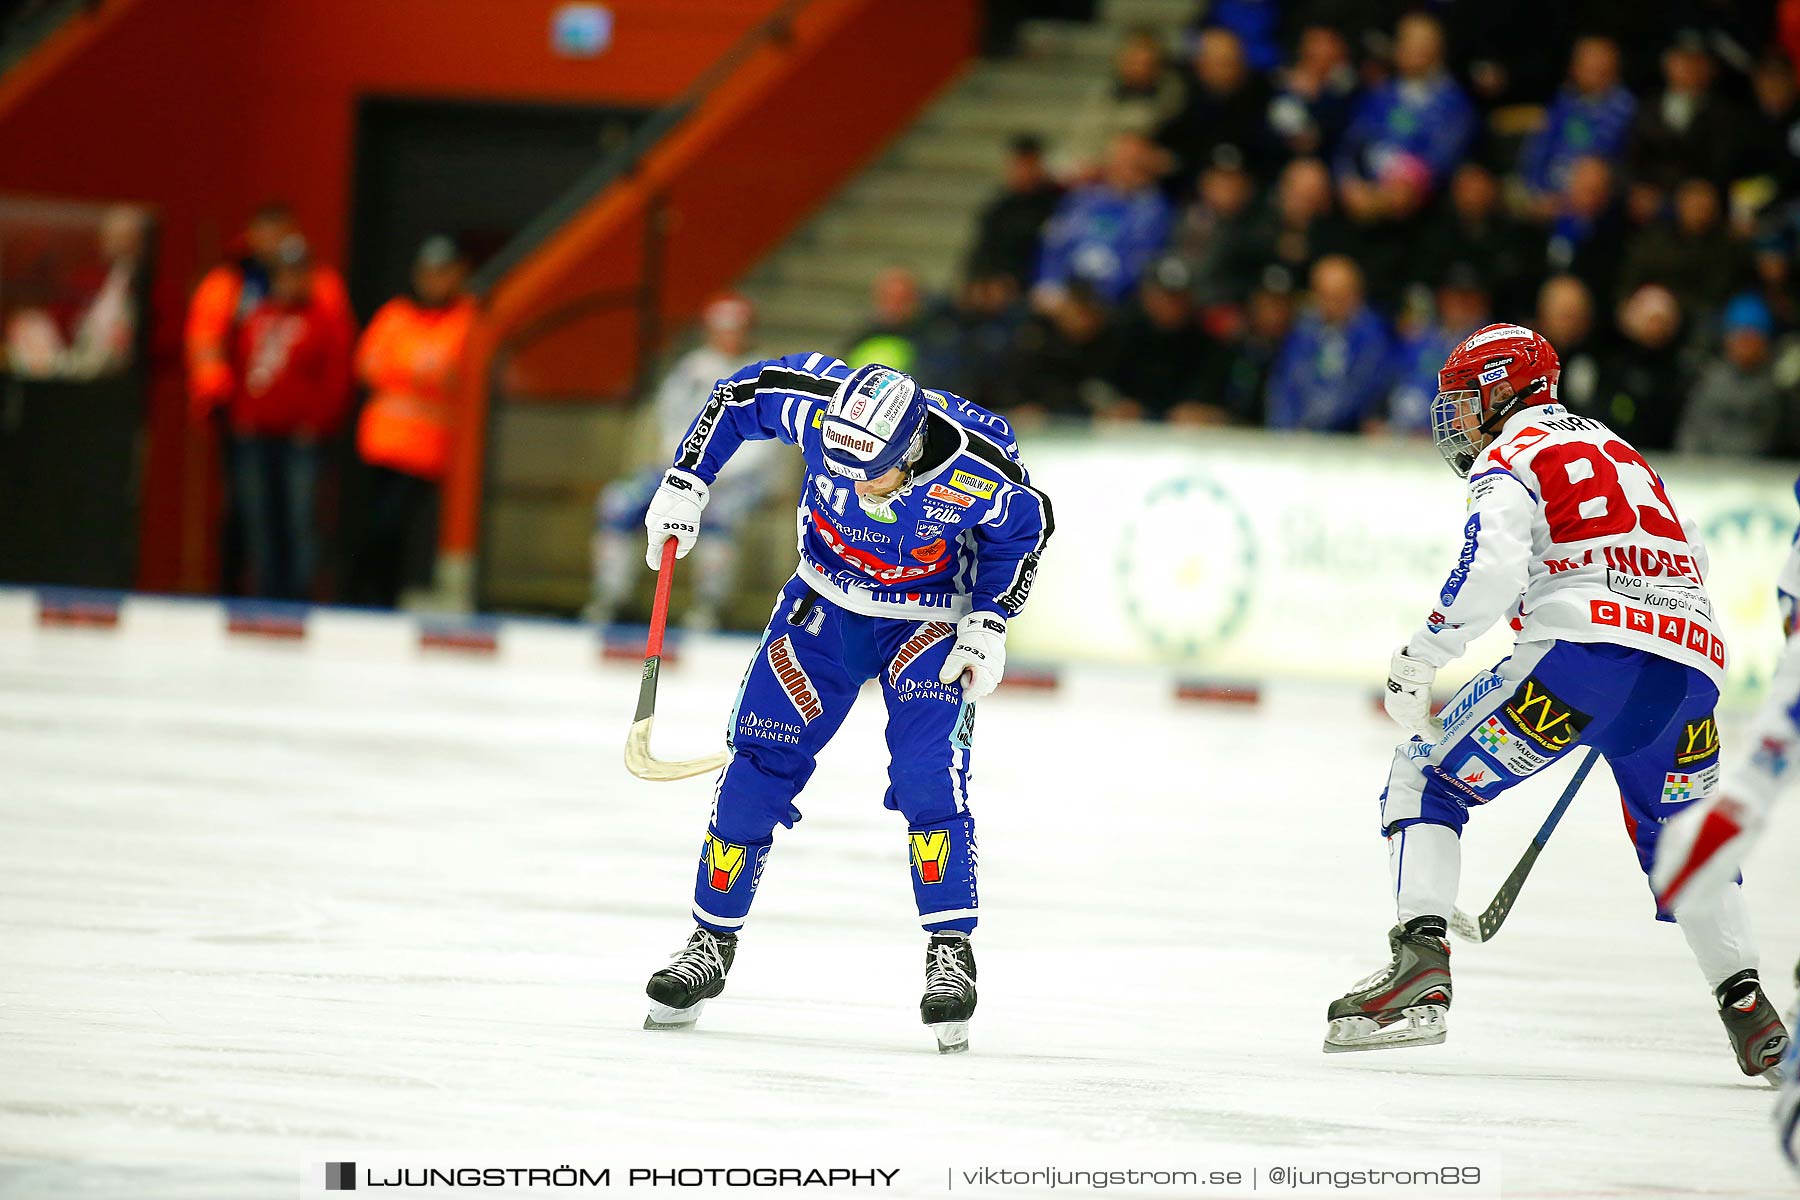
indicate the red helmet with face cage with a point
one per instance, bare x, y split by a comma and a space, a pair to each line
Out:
1491, 374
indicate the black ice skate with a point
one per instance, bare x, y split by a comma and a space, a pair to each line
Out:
1758, 1038
1405, 1004
949, 999
694, 975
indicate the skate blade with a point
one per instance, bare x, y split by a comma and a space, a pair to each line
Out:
1422, 1025
663, 1017
952, 1037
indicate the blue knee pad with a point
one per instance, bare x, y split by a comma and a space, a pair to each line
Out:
943, 860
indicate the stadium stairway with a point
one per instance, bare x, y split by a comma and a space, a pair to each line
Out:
916, 206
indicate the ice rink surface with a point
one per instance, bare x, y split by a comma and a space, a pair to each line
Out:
260, 910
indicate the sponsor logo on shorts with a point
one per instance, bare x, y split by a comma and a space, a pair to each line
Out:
930, 552
1477, 774
1508, 749
975, 485
786, 665
939, 492
964, 734
930, 854
1480, 686
769, 729
1544, 719
1678, 788
1699, 742
927, 636
724, 863
908, 690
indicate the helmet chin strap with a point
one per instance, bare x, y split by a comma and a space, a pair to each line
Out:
1499, 416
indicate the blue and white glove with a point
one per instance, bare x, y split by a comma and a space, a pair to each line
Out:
674, 513
979, 656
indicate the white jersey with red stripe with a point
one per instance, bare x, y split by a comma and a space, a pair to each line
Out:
1572, 535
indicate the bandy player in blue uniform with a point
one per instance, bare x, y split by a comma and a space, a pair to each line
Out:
1572, 534
920, 535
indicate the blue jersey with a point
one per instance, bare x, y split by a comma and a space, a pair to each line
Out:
965, 535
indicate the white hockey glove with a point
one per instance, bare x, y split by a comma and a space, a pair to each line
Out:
979, 656
1408, 699
1699, 851
674, 513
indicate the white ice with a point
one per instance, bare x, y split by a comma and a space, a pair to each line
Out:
260, 909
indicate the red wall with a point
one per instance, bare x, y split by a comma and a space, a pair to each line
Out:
203, 108
771, 145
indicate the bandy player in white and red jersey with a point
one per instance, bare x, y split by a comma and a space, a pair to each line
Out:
1571, 533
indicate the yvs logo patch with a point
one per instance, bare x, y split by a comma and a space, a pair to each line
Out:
724, 862
1699, 742
1543, 718
930, 854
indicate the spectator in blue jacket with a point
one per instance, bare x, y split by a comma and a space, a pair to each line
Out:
1591, 116
1106, 234
1408, 134
1427, 334
1333, 368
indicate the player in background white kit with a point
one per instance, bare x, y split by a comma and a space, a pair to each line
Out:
619, 511
1702, 849
1572, 534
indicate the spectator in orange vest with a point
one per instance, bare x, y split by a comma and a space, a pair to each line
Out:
226, 295
290, 362
409, 359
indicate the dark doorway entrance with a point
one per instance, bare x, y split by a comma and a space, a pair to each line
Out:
478, 171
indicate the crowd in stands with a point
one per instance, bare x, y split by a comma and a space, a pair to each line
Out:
1289, 218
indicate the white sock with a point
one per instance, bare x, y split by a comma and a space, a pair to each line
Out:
1717, 929
1425, 863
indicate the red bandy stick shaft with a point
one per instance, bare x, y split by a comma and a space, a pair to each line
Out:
659, 611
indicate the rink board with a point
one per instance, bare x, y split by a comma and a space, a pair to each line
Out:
1240, 555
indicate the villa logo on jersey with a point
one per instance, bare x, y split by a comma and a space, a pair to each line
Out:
930, 854
1543, 718
930, 552
928, 635
975, 485
1699, 742
794, 681
724, 862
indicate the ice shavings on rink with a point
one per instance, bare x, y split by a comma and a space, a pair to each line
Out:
262, 909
